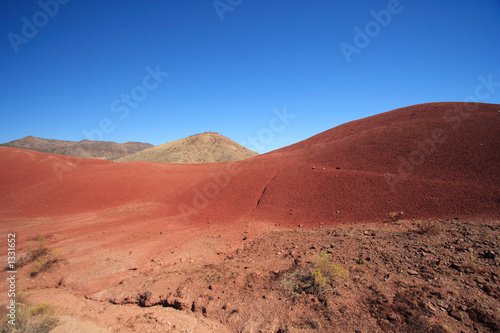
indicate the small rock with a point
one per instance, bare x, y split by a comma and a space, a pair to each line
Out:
412, 272
456, 314
300, 225
338, 212
443, 304
488, 289
431, 307
392, 317
313, 168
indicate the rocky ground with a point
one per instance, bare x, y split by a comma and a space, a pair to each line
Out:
398, 276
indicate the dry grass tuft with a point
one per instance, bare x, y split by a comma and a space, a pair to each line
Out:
395, 216
31, 318
429, 227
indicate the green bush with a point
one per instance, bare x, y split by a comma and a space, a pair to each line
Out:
317, 280
328, 272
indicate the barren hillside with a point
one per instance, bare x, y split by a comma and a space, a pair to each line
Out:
207, 147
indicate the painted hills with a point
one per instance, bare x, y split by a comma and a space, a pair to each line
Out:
208, 147
429, 160
106, 150
149, 246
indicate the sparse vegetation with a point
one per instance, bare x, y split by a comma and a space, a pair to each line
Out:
41, 257
31, 318
39, 250
429, 227
316, 281
44, 263
395, 216
328, 272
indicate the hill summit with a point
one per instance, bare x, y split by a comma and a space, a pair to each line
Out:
208, 147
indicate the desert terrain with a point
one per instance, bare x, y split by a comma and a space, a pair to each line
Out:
208, 147
389, 223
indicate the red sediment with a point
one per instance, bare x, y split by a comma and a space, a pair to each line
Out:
430, 160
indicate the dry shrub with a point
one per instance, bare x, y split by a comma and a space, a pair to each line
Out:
45, 262
327, 271
314, 281
395, 216
31, 318
429, 227
39, 250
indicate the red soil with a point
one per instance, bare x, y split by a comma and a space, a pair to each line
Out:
359, 171
118, 222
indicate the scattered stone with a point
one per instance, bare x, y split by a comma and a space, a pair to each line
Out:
488, 289
431, 307
456, 314
300, 225
392, 317
338, 212
442, 303
412, 272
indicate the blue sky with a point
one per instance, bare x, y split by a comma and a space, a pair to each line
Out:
85, 70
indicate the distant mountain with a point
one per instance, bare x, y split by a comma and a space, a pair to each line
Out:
89, 149
207, 147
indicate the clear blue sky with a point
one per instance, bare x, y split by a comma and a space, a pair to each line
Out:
231, 63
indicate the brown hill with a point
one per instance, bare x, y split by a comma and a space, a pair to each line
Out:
208, 147
88, 149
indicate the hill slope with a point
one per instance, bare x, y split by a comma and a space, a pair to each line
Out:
88, 149
207, 147
429, 160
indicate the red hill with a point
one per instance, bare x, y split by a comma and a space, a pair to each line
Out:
429, 160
